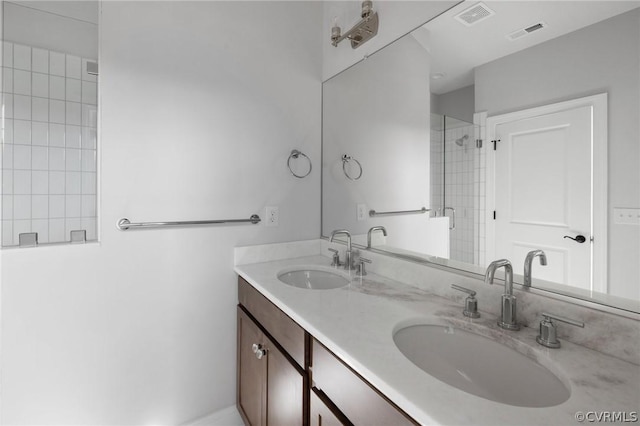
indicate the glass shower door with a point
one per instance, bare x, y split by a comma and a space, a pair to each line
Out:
455, 177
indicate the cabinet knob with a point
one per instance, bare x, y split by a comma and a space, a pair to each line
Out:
258, 350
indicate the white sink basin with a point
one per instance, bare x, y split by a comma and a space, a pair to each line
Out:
480, 366
313, 278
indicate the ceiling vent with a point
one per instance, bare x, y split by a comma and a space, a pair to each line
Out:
474, 14
526, 31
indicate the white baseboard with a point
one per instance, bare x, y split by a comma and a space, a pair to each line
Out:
226, 417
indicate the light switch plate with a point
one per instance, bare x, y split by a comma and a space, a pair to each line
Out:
272, 216
361, 212
622, 216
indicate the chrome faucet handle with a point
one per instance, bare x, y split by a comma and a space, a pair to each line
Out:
548, 330
336, 257
361, 266
470, 303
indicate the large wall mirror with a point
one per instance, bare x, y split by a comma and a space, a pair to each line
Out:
49, 122
495, 129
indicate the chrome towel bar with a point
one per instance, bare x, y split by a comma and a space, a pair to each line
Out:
124, 223
373, 213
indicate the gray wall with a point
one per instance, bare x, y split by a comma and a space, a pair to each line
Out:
201, 103
25, 25
457, 103
376, 112
601, 58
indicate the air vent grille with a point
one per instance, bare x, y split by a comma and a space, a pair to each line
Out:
474, 14
526, 31
535, 27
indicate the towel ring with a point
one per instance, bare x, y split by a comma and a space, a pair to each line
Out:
295, 154
346, 159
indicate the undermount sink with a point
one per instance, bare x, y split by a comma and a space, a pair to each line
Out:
313, 278
480, 366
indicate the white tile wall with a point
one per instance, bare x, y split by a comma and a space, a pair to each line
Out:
57, 87
21, 57
40, 60
39, 133
453, 185
7, 54
49, 142
21, 107
40, 182
56, 135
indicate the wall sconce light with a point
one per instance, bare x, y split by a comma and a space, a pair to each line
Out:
361, 32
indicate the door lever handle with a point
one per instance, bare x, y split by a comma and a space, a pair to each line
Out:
578, 239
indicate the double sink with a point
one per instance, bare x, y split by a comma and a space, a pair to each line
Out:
466, 360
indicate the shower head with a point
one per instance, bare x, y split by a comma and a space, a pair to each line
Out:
460, 141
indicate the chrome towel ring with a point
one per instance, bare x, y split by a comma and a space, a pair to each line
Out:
347, 159
295, 154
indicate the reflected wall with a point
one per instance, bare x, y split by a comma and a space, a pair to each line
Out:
49, 125
378, 113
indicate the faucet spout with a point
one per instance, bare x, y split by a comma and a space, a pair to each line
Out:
527, 264
342, 231
507, 318
348, 263
508, 274
371, 230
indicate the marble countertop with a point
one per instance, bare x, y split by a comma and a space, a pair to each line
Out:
357, 323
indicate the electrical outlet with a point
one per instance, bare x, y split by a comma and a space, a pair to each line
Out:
361, 212
626, 216
272, 216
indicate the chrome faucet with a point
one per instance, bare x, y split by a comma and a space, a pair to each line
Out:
348, 264
508, 306
527, 264
371, 230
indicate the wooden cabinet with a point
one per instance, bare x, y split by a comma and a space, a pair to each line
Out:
353, 396
323, 412
281, 327
285, 377
251, 373
271, 383
270, 388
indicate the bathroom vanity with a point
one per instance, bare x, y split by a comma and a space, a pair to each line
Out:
330, 356
275, 359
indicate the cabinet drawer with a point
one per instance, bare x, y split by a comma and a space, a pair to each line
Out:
324, 413
282, 328
357, 399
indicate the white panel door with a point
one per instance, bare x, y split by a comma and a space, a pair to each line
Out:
543, 193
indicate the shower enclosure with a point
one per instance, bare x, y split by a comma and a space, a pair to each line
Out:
457, 168
48, 124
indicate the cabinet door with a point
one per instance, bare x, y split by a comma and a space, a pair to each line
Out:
322, 415
285, 389
252, 373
